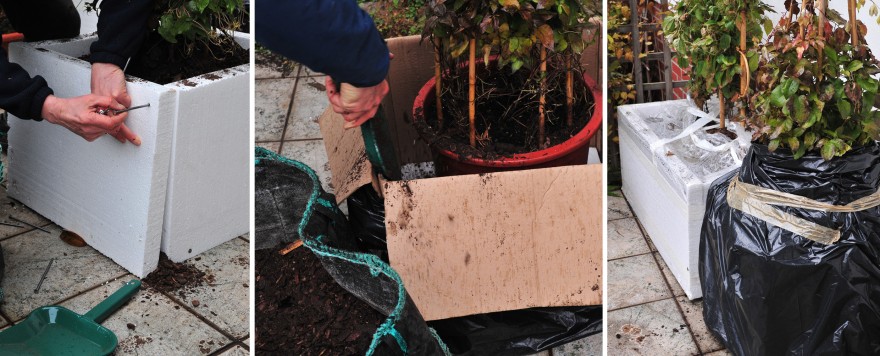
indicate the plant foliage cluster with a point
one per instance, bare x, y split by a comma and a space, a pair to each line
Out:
811, 83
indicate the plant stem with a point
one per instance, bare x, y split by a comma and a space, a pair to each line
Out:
472, 83
437, 86
542, 99
854, 23
745, 75
569, 92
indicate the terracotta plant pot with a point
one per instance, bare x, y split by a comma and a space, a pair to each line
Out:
573, 151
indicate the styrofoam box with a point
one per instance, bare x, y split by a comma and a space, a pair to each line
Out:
667, 188
184, 190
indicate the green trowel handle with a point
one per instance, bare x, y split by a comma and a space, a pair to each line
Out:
380, 150
113, 302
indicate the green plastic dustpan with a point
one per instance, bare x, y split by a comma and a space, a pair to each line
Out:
55, 330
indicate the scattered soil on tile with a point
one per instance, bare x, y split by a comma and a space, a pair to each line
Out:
269, 59
162, 62
301, 310
171, 277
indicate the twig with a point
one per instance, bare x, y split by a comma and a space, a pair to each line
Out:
542, 99
437, 86
292, 246
29, 224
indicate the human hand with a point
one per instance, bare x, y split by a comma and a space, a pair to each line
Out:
109, 80
357, 105
79, 115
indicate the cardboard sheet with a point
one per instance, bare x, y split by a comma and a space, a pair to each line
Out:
346, 154
502, 241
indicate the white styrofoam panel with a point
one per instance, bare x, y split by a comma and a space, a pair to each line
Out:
667, 188
193, 196
112, 194
208, 192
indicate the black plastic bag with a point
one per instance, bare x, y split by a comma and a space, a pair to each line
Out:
290, 204
516, 332
768, 291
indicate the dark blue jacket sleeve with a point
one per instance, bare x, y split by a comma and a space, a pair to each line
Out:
122, 27
20, 94
334, 37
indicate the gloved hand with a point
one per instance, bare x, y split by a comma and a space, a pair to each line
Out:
79, 115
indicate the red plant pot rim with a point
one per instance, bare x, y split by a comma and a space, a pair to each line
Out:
578, 141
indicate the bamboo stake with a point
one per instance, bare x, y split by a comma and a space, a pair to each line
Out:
721, 114
745, 75
822, 6
472, 83
569, 92
542, 99
437, 86
854, 23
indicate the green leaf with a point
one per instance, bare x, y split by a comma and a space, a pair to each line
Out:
845, 108
854, 66
828, 151
774, 144
725, 41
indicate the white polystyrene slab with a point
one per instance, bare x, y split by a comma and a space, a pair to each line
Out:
209, 192
112, 194
667, 187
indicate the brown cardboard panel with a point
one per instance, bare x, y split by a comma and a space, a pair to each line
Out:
346, 153
502, 241
411, 68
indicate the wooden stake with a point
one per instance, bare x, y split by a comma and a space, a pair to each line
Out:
722, 113
854, 24
437, 86
542, 99
472, 83
292, 246
569, 92
820, 12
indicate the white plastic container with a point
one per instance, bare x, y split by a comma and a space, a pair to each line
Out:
667, 186
184, 190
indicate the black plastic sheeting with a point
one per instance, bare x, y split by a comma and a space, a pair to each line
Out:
768, 291
284, 200
517, 332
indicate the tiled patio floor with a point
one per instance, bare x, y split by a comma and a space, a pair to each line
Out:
648, 312
289, 100
152, 323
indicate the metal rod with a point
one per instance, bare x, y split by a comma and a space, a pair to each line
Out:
132, 108
9, 224
29, 224
40, 284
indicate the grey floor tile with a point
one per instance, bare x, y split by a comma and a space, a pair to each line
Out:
271, 146
75, 269
309, 103
625, 239
306, 72
635, 280
588, 346
667, 274
618, 208
12, 208
225, 302
272, 101
649, 329
236, 351
311, 153
152, 324
693, 313
269, 65
720, 353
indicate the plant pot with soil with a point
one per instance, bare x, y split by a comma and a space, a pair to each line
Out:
182, 191
798, 221
526, 103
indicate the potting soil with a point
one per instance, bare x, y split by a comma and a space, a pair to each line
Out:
770, 291
301, 310
163, 62
291, 204
516, 332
